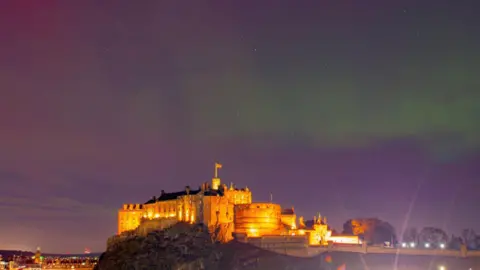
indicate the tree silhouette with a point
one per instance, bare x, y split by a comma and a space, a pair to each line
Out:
348, 227
410, 235
383, 232
433, 236
455, 242
469, 238
372, 230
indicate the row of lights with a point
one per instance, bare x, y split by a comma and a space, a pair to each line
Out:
427, 245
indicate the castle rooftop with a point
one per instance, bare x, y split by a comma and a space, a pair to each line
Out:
172, 195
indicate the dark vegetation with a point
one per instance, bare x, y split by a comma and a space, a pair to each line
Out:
375, 232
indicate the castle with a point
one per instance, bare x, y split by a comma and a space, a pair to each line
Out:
225, 209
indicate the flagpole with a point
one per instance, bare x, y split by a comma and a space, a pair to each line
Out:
217, 167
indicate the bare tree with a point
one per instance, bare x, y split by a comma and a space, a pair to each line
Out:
469, 238
433, 236
410, 235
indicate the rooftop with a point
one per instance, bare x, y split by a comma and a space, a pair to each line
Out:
288, 211
207, 191
172, 196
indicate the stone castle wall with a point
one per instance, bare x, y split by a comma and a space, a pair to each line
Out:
146, 226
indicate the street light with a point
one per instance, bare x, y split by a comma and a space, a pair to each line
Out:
412, 244
427, 245
442, 245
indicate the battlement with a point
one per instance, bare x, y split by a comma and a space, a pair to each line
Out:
132, 207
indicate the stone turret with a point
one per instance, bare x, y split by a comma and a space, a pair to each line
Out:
216, 182
301, 223
38, 256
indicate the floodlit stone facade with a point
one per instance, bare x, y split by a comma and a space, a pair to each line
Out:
227, 211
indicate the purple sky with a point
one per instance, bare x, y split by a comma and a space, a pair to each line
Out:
350, 110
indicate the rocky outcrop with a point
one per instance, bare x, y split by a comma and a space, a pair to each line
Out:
190, 247
182, 246
146, 226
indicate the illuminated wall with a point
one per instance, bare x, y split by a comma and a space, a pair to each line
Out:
216, 182
344, 239
289, 220
210, 210
257, 219
238, 196
129, 217
160, 209
189, 208
319, 235
314, 238
185, 208
217, 210
275, 242
221, 208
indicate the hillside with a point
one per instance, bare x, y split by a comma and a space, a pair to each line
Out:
189, 247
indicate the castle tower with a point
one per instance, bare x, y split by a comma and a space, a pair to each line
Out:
216, 180
38, 256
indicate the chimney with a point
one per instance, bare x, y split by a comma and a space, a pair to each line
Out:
187, 189
154, 198
163, 192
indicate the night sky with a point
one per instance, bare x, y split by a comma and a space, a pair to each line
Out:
347, 108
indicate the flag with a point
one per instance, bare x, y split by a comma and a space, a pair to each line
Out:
218, 165
342, 267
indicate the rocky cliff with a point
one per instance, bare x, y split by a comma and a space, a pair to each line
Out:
182, 246
146, 226
191, 247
